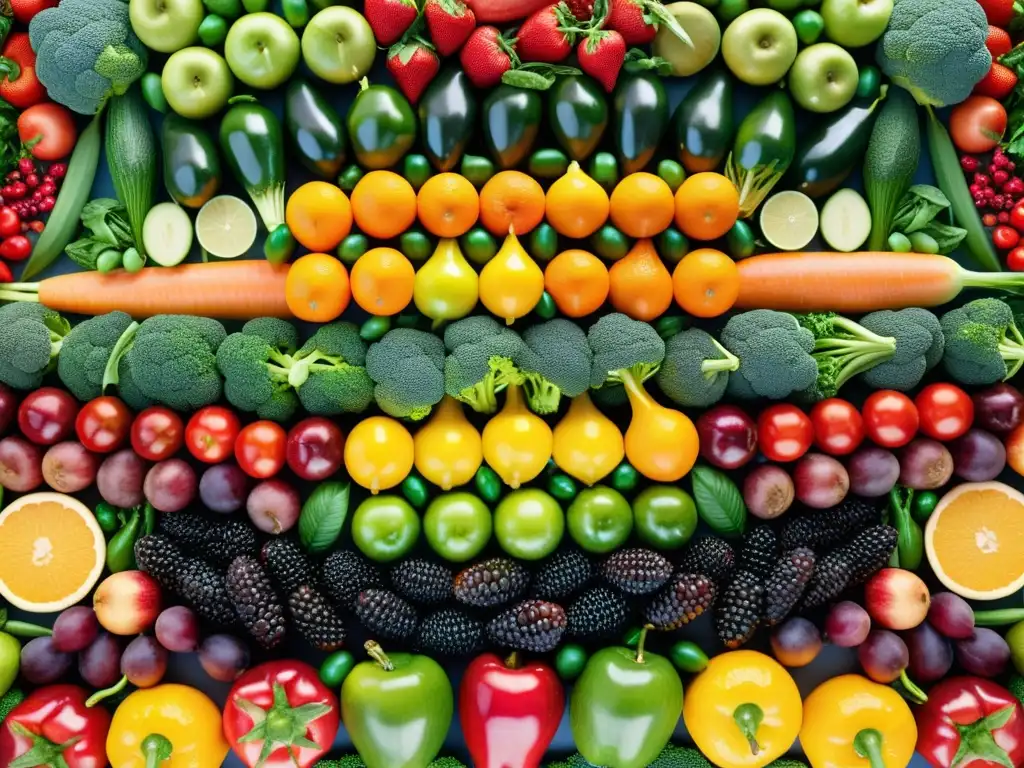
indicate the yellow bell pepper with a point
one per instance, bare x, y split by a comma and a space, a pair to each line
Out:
186, 719
852, 722
743, 711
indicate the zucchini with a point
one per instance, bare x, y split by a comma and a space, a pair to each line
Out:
314, 129
511, 122
167, 234
447, 112
381, 126
845, 221
641, 116
763, 151
192, 171
578, 112
253, 145
131, 157
704, 123
890, 162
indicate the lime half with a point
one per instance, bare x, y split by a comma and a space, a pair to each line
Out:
789, 220
226, 227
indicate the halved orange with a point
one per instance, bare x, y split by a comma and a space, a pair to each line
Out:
974, 540
51, 552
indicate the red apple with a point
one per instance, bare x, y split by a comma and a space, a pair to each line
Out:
127, 603
897, 599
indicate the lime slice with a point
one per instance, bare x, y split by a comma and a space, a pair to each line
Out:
226, 227
789, 220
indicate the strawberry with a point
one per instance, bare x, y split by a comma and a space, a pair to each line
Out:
413, 64
638, 20
450, 23
24, 10
390, 19
998, 42
581, 9
602, 54
487, 56
547, 35
18, 82
998, 83
998, 12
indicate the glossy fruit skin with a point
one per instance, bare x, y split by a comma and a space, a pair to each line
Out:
47, 415
253, 146
260, 449
211, 433
641, 117
945, 411
385, 528
314, 129
529, 524
459, 525
838, 426
192, 169
102, 425
511, 122
57, 714
509, 714
335, 668
381, 127
157, 433
314, 450
890, 418
447, 114
665, 517
728, 436
599, 519
578, 115
704, 122
784, 432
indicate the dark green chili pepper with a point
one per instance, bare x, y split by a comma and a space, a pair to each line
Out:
148, 519
910, 545
335, 668
121, 547
106, 517
415, 491
924, 504
488, 484
562, 487
374, 328
688, 657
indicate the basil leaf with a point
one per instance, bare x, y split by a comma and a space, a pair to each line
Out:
323, 516
719, 501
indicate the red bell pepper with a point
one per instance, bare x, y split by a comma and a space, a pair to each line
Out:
53, 727
19, 84
970, 722
279, 715
509, 713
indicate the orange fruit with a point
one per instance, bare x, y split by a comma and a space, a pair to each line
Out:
448, 205
577, 281
52, 552
511, 199
317, 288
319, 215
706, 283
974, 540
642, 205
384, 204
576, 205
707, 205
382, 281
639, 284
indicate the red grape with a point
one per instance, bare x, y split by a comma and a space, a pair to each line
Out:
847, 624
985, 653
100, 663
224, 657
224, 488
170, 485
274, 506
873, 471
42, 663
978, 456
883, 656
144, 662
925, 464
821, 481
68, 467
177, 629
931, 655
951, 615
796, 642
768, 491
119, 479
21, 464
75, 629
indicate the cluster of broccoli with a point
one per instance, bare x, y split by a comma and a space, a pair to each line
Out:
355, 761
31, 338
983, 343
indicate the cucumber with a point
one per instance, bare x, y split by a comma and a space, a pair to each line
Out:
131, 157
845, 221
192, 170
167, 234
253, 145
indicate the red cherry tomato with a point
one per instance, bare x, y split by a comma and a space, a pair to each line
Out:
315, 448
784, 432
103, 424
1015, 259
890, 418
211, 433
1017, 217
1005, 237
260, 449
945, 411
157, 433
838, 426
47, 415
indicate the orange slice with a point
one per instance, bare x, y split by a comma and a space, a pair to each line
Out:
975, 538
51, 552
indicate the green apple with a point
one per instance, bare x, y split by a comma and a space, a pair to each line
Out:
338, 45
759, 47
823, 78
385, 528
166, 25
855, 23
197, 82
262, 50
457, 526
529, 524
600, 519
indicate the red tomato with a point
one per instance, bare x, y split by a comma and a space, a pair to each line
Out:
1015, 259
945, 411
260, 449
157, 433
211, 433
1017, 217
977, 125
56, 126
103, 424
838, 426
24, 10
1005, 237
784, 432
890, 418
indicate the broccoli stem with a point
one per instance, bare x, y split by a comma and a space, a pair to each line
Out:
727, 363
302, 367
541, 394
111, 378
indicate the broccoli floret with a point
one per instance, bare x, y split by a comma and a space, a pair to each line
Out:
786, 763
483, 359
446, 762
407, 367
86, 52
256, 372
774, 352
680, 757
173, 360
935, 49
275, 331
88, 348
1016, 687
983, 343
31, 337
915, 345
626, 351
557, 362
9, 701
696, 369
329, 373
345, 761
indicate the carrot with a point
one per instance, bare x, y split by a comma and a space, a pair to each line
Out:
859, 282
230, 290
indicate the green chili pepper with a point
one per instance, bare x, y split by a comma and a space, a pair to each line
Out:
415, 491
546, 307
121, 547
548, 164
335, 668
374, 328
604, 169
689, 657
672, 173
924, 504
479, 246
562, 487
416, 169
543, 243
570, 661
148, 519
668, 326
106, 517
672, 246
279, 245
624, 477
488, 485
741, 240
415, 244
350, 177
477, 169
609, 243
352, 247
910, 545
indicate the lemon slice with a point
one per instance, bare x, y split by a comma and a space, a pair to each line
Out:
226, 227
789, 220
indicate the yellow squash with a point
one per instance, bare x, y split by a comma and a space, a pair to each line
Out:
446, 287
517, 442
448, 449
661, 443
511, 283
587, 444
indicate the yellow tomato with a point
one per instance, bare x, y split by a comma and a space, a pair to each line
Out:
511, 283
517, 442
587, 444
378, 453
448, 449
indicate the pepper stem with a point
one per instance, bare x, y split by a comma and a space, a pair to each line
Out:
868, 744
377, 654
748, 717
106, 693
514, 660
640, 643
911, 690
156, 748
43, 752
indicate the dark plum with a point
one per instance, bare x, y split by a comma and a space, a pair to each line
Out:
883, 656
978, 456
144, 662
931, 655
999, 408
951, 615
8, 407
925, 464
100, 663
796, 642
224, 488
985, 653
177, 629
873, 471
847, 624
41, 663
821, 481
119, 479
75, 629
224, 657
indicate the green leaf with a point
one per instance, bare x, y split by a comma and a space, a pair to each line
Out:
323, 516
85, 251
719, 501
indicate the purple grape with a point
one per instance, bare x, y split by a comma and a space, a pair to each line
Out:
951, 615
119, 479
144, 662
224, 488
931, 655
985, 653
796, 642
999, 408
978, 456
925, 464
274, 506
170, 485
177, 629
41, 663
768, 491
100, 663
847, 624
873, 471
883, 656
224, 657
75, 629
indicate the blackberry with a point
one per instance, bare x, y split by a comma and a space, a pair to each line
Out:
563, 575
830, 577
316, 619
450, 633
258, 606
637, 571
828, 528
710, 556
195, 581
786, 584
739, 609
869, 552
385, 614
422, 581
288, 564
211, 539
493, 582
760, 551
535, 626
686, 597
345, 574
597, 614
